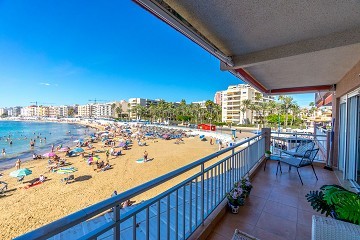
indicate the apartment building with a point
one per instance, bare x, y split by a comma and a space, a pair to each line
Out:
103, 110
218, 98
201, 103
30, 111
133, 102
232, 99
123, 105
3, 111
87, 110
14, 111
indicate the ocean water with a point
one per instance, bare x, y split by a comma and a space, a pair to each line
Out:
21, 133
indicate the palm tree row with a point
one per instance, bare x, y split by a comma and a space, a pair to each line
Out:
165, 111
270, 112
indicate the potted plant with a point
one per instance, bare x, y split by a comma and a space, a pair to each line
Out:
246, 186
337, 202
267, 153
236, 197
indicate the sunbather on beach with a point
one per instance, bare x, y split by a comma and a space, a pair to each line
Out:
145, 156
18, 164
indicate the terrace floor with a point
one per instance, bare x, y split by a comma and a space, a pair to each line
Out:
277, 207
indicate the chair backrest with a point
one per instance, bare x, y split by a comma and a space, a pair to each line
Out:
302, 148
309, 157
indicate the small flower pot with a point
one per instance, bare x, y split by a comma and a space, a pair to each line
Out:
267, 155
233, 209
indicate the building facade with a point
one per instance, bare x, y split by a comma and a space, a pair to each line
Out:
133, 102
233, 109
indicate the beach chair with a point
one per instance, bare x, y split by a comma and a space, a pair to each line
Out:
68, 179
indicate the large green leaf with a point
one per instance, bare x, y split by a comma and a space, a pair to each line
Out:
316, 198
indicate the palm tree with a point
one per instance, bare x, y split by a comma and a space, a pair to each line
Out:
295, 112
118, 111
252, 108
245, 106
312, 108
287, 103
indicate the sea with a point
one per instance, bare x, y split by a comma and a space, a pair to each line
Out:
45, 134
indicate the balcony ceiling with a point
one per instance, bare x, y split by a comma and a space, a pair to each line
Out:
280, 44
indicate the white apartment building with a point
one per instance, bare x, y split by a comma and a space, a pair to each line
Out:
103, 110
14, 111
86, 110
30, 111
139, 101
201, 103
232, 103
3, 111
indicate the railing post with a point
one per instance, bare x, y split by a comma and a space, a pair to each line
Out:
117, 221
267, 135
202, 193
232, 167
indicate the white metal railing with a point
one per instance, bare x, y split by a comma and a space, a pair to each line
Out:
173, 214
290, 141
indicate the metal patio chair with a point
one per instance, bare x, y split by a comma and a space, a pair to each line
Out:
306, 160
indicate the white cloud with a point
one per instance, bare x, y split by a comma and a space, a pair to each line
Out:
45, 84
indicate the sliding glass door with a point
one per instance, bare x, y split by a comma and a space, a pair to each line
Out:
349, 137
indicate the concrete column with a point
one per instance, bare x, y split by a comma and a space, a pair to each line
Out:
267, 134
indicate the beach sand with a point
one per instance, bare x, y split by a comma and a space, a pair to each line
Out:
23, 209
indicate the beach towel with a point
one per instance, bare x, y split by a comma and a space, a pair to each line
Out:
32, 185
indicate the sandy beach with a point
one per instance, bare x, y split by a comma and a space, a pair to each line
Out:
25, 209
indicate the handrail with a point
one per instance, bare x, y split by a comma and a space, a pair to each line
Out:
300, 134
73, 219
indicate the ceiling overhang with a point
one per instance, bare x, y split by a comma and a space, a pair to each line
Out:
301, 47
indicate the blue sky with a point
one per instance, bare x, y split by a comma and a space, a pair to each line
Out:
66, 52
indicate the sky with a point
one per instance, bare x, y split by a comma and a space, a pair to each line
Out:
67, 52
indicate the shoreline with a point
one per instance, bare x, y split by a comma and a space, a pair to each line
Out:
26, 155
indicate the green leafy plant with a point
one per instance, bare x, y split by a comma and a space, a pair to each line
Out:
268, 152
336, 201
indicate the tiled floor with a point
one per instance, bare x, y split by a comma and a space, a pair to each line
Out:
277, 207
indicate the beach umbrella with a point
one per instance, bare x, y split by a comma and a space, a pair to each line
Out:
93, 159
49, 154
77, 150
21, 172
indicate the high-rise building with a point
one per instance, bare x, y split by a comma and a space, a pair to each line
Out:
233, 109
218, 98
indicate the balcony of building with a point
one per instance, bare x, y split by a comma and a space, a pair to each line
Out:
277, 208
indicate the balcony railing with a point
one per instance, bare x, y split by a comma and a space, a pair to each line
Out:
173, 214
289, 141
